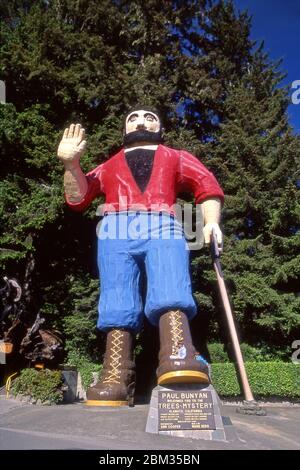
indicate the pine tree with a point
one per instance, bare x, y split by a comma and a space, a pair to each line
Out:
258, 160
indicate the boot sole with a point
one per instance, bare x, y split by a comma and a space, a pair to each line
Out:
183, 376
106, 403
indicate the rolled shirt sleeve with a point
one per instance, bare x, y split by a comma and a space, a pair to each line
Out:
194, 177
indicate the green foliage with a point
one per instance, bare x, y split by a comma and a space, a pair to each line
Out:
217, 353
44, 385
256, 354
259, 353
80, 319
267, 379
84, 366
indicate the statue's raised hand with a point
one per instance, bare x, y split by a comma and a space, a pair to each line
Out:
72, 145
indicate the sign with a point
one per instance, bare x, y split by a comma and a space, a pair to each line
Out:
185, 410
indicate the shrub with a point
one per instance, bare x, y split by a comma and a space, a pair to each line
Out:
267, 379
44, 385
259, 353
217, 353
252, 354
84, 365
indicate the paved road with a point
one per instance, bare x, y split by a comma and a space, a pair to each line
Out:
24, 426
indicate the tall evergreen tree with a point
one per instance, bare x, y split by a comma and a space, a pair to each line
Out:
258, 159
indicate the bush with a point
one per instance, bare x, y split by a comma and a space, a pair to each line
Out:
84, 365
267, 379
217, 353
252, 354
44, 385
259, 353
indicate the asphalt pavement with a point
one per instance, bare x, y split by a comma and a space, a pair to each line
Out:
77, 427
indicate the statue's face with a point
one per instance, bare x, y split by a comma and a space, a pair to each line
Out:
142, 120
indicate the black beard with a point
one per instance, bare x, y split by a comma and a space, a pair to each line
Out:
142, 136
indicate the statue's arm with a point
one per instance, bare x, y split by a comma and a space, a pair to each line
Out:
75, 183
195, 177
70, 150
211, 210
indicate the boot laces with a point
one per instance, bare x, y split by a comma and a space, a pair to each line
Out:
176, 331
114, 370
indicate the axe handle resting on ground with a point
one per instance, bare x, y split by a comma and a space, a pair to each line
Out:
229, 318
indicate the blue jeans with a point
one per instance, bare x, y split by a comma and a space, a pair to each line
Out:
133, 243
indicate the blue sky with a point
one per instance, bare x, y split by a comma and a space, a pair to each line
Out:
277, 22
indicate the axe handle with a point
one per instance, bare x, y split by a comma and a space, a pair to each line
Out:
232, 329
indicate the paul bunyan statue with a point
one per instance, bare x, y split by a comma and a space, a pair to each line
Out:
140, 184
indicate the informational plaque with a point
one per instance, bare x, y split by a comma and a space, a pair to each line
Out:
185, 410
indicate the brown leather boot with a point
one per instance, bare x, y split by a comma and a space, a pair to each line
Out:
117, 382
178, 360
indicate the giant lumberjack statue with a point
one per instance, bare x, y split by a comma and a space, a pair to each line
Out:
147, 174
